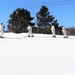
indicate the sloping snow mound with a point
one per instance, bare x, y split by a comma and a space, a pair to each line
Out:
38, 55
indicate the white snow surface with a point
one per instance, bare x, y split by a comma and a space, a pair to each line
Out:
38, 55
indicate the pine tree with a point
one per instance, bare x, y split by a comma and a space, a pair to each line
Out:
44, 20
19, 20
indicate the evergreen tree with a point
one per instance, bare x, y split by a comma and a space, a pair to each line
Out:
44, 20
19, 20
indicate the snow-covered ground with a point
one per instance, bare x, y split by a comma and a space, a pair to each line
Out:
39, 55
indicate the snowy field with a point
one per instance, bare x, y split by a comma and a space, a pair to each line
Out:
39, 55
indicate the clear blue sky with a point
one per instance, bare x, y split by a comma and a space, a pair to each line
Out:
62, 10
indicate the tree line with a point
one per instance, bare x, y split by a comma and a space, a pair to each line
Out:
21, 17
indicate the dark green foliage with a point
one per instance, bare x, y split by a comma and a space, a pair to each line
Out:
19, 20
43, 31
34, 29
44, 21
43, 18
57, 27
